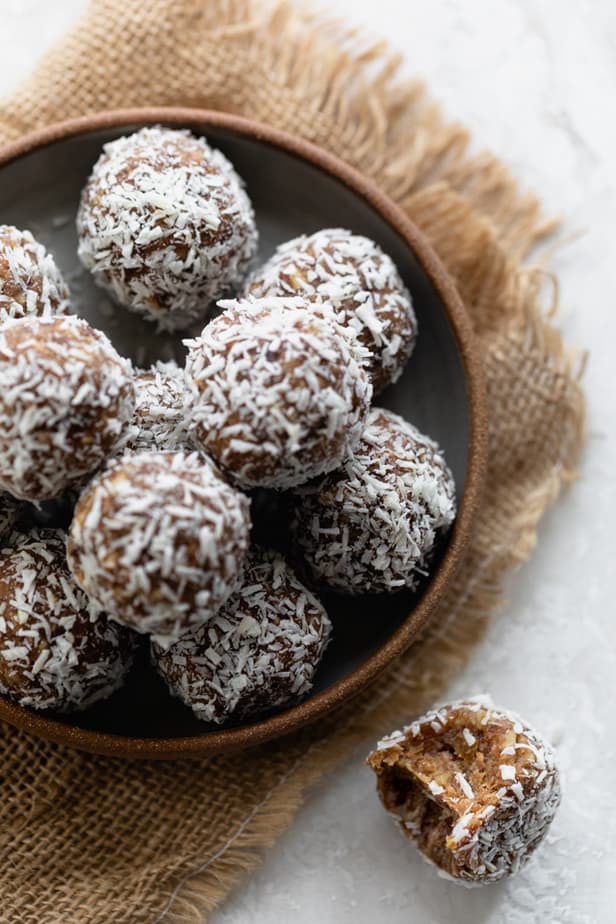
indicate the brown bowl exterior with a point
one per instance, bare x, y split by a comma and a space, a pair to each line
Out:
317, 706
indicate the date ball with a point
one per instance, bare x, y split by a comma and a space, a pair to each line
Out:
473, 786
277, 393
371, 525
361, 283
66, 398
56, 650
30, 281
259, 652
158, 541
165, 225
160, 419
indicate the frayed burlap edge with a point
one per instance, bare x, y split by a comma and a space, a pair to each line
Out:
316, 77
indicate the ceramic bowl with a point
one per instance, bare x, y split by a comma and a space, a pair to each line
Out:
296, 188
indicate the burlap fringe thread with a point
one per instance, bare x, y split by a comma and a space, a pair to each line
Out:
316, 77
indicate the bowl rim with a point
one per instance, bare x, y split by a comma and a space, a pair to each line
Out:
313, 708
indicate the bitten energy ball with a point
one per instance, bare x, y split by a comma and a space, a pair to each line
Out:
66, 398
30, 281
165, 225
472, 786
360, 282
56, 650
370, 526
158, 541
277, 392
160, 419
260, 651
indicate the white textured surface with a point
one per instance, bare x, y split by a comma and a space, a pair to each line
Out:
535, 80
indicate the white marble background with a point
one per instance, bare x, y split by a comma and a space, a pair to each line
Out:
536, 82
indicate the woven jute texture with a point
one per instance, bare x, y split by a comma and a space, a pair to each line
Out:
87, 839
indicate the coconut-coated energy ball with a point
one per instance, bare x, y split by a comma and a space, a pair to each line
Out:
56, 650
66, 398
370, 526
360, 282
473, 786
30, 281
259, 652
165, 225
158, 541
160, 418
277, 392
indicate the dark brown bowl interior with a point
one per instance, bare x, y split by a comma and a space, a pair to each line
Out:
295, 188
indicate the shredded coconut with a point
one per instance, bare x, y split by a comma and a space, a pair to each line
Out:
277, 393
66, 398
56, 650
165, 225
160, 418
491, 834
371, 525
361, 283
469, 737
30, 281
158, 540
259, 652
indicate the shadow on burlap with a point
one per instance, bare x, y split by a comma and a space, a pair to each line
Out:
87, 839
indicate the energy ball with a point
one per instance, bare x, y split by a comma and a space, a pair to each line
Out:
66, 398
277, 393
165, 225
259, 652
30, 281
160, 419
158, 541
371, 525
359, 281
56, 650
474, 787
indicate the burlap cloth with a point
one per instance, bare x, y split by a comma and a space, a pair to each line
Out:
87, 839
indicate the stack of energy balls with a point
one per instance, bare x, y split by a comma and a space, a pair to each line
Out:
160, 465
